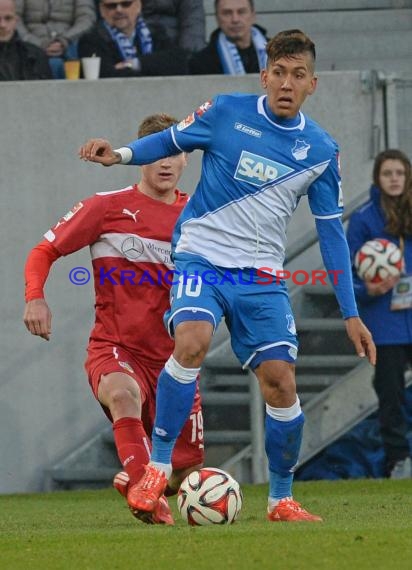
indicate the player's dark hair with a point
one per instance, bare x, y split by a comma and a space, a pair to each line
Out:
251, 2
155, 124
290, 43
397, 209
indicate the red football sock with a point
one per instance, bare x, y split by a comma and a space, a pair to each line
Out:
133, 446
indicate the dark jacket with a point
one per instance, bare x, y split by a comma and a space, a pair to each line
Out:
165, 59
386, 326
207, 61
183, 20
21, 60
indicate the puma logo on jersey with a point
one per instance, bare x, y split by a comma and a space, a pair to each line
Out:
258, 170
131, 214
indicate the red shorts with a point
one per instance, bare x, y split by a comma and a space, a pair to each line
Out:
105, 358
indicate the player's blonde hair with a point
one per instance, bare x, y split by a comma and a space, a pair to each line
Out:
155, 124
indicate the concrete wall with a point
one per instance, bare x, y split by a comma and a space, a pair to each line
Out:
46, 408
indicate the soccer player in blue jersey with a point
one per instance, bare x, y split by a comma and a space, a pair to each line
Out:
261, 155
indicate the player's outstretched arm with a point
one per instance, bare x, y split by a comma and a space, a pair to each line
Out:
361, 338
37, 318
100, 151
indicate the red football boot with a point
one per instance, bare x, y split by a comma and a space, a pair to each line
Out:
288, 510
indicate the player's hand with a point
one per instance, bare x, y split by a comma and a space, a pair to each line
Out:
361, 338
37, 318
100, 151
376, 289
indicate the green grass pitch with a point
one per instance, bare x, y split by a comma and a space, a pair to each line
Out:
367, 525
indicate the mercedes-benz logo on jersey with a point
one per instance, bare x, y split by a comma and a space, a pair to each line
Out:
132, 248
300, 150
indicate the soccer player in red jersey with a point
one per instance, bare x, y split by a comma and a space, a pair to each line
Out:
129, 233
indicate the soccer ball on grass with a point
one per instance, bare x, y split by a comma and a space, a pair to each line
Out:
209, 496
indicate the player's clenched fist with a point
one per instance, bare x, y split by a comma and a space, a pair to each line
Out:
100, 151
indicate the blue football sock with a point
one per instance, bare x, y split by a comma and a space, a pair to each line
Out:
174, 400
280, 487
282, 443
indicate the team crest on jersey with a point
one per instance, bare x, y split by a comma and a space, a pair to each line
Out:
203, 108
69, 214
258, 170
300, 150
126, 366
186, 122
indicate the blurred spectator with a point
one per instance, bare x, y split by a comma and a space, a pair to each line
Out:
55, 26
18, 59
388, 215
237, 46
183, 20
129, 48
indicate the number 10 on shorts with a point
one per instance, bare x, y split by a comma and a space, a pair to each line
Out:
189, 285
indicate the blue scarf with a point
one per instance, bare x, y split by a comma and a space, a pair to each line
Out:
126, 44
229, 56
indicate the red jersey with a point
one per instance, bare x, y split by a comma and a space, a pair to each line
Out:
129, 235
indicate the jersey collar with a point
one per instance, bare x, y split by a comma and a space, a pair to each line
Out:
297, 123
